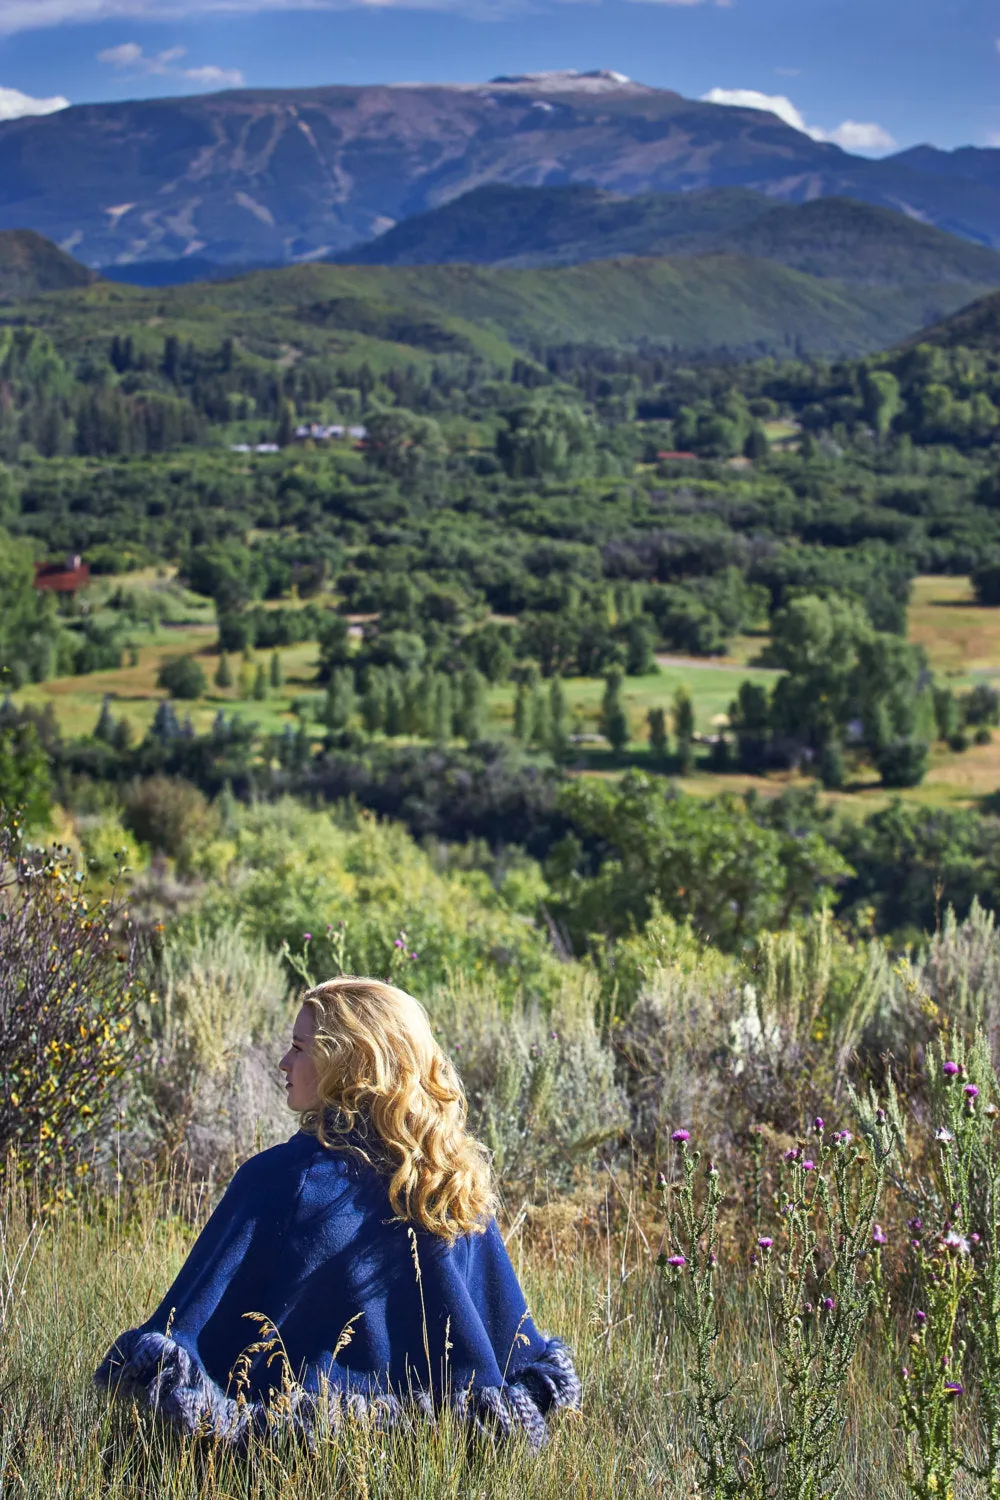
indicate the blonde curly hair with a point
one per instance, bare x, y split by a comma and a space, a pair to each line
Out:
388, 1094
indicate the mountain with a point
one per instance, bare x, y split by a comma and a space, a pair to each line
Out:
30, 264
976, 326
829, 237
253, 176
392, 315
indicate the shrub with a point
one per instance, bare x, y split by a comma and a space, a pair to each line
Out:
207, 1086
68, 968
170, 815
541, 1088
182, 677
903, 762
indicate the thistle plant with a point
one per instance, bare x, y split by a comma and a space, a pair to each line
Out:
817, 1280
822, 1276
955, 1256
688, 1265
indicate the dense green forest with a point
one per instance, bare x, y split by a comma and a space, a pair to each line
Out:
568, 512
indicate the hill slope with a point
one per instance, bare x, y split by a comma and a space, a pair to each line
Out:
30, 265
699, 304
829, 237
281, 175
976, 326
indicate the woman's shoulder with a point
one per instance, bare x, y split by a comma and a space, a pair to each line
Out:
286, 1163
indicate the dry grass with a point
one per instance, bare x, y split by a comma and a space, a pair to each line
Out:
69, 1282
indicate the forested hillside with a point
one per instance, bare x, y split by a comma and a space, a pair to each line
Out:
535, 226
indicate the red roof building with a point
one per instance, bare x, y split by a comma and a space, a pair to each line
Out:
66, 577
662, 456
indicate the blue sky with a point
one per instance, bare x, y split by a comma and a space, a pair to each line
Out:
908, 70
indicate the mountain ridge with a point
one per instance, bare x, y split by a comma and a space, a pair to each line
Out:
283, 175
834, 238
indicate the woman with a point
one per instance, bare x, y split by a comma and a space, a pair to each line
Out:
356, 1266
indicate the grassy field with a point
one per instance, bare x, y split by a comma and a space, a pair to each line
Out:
588, 1268
962, 641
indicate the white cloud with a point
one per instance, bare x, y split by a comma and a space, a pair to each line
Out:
14, 105
774, 104
852, 135
33, 15
129, 55
211, 77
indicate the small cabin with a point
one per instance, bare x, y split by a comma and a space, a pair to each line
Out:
66, 577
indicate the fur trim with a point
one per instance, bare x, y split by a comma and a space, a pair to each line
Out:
160, 1375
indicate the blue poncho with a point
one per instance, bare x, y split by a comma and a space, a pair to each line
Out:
305, 1238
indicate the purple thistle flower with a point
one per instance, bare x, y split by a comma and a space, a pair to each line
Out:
974, 1239
954, 1388
765, 1242
793, 1154
413, 955
307, 937
399, 943
818, 1124
843, 1137
950, 1069
971, 1092
681, 1137
661, 1181
879, 1236
915, 1224
919, 1317
676, 1260
828, 1304
808, 1166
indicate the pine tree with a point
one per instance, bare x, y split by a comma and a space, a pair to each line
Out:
165, 726
303, 748
472, 709
260, 683
614, 719
246, 677
657, 721
683, 710
558, 719
223, 673
340, 698
541, 719
105, 727
227, 808
522, 704
372, 703
276, 672
442, 710
286, 748
394, 707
